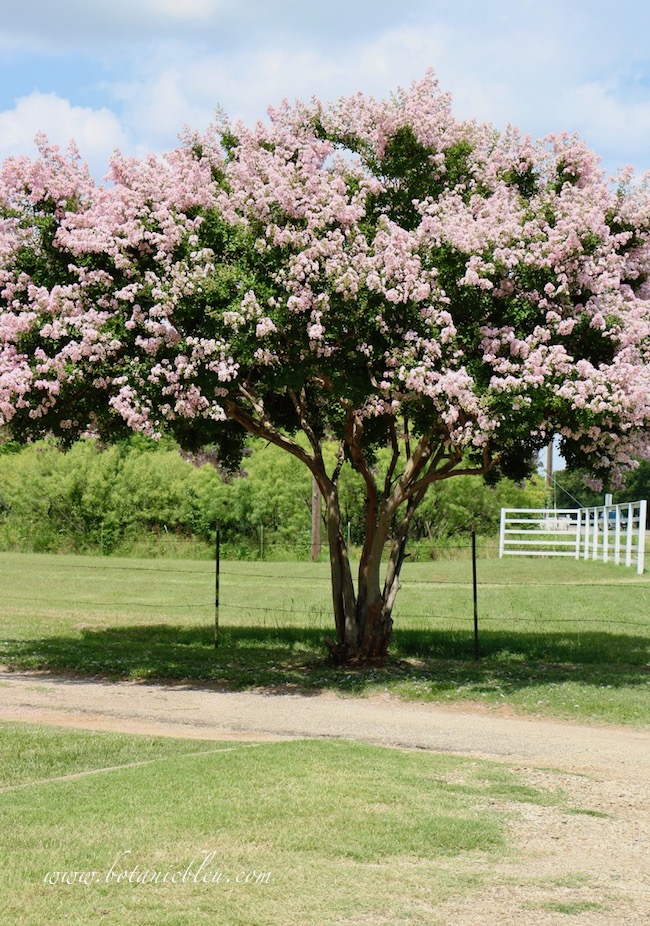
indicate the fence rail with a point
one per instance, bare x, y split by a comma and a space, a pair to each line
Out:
609, 533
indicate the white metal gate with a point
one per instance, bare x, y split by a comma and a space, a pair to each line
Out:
610, 533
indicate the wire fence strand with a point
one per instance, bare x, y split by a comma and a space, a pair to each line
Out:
243, 584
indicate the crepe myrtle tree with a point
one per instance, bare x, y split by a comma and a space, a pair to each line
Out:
377, 273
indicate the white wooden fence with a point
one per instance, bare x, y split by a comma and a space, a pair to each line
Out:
610, 533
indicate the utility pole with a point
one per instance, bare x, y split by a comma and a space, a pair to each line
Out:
315, 521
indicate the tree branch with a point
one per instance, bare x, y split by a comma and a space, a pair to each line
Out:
353, 435
340, 460
396, 558
414, 466
450, 469
263, 427
300, 405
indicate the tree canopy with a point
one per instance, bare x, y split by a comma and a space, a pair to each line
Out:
377, 272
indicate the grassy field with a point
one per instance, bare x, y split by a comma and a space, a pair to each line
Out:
557, 638
124, 829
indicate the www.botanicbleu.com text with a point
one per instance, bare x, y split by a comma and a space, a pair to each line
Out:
201, 870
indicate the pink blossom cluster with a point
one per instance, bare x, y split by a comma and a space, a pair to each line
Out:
133, 252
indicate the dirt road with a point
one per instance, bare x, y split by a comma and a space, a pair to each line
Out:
204, 713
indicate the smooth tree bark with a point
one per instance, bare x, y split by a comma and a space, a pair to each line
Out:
374, 273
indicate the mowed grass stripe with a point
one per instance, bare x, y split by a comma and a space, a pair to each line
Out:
32, 753
118, 768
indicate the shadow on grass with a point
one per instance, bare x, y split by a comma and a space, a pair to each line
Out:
294, 659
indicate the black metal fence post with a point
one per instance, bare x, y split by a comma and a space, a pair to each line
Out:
217, 556
475, 590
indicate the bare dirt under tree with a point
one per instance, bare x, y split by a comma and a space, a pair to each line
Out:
594, 864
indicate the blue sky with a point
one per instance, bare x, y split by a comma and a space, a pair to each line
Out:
129, 74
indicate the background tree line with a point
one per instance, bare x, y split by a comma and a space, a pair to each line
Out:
572, 492
140, 496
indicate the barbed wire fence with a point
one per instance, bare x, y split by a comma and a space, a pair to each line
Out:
238, 593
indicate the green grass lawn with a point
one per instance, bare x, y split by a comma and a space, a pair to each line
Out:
169, 833
557, 637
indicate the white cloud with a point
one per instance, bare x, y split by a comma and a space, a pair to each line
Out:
103, 26
172, 89
535, 79
96, 132
544, 65
488, 79
606, 118
184, 9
